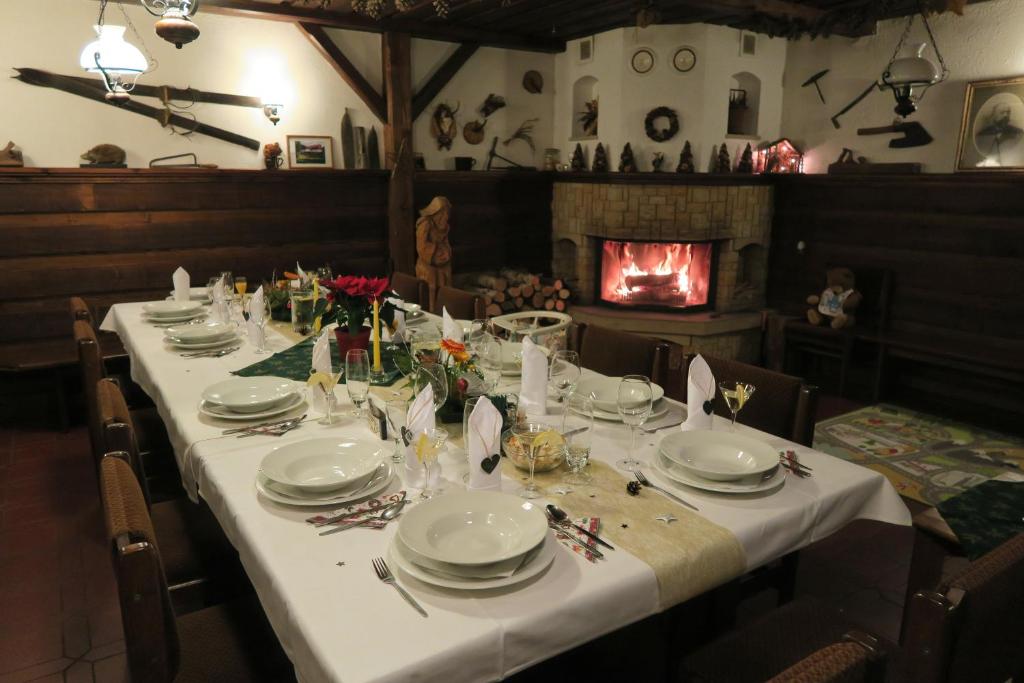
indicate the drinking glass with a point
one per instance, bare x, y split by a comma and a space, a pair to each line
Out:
736, 395
228, 280
425, 341
489, 362
434, 375
357, 378
211, 284
563, 375
427, 452
240, 286
467, 411
578, 438
635, 399
526, 433
261, 341
329, 399
302, 310
397, 412
479, 330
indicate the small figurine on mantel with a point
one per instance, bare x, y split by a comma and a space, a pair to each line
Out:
657, 161
9, 156
105, 156
578, 163
627, 164
272, 158
746, 164
686, 164
600, 164
433, 250
723, 165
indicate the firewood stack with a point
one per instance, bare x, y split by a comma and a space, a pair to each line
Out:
511, 291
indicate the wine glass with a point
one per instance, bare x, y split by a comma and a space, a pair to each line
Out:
578, 438
397, 412
427, 446
433, 375
357, 378
489, 362
563, 375
526, 434
635, 399
479, 330
228, 280
736, 395
240, 286
261, 341
211, 284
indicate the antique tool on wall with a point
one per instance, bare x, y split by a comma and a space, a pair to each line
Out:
813, 80
914, 134
167, 93
493, 154
95, 91
11, 156
348, 141
857, 100
161, 162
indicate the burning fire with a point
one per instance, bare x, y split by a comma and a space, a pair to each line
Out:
655, 273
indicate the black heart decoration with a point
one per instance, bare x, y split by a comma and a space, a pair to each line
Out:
406, 435
707, 407
488, 464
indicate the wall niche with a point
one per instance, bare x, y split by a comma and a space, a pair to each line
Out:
744, 104
584, 93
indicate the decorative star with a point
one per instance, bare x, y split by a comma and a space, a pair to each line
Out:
625, 526
341, 564
668, 518
562, 490
593, 495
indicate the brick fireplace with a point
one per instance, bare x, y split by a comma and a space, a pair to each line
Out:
728, 216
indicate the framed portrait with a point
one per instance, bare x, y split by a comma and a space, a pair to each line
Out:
992, 130
310, 151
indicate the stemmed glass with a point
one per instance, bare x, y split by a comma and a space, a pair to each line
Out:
211, 284
241, 284
563, 375
435, 376
397, 412
635, 399
428, 445
479, 331
736, 395
229, 282
357, 378
578, 439
489, 361
526, 434
261, 340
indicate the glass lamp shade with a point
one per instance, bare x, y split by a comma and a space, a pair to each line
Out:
116, 55
913, 71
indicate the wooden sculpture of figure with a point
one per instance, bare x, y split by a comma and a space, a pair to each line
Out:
433, 251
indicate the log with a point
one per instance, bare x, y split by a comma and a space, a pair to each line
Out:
560, 306
651, 281
493, 310
549, 305
508, 307
537, 301
564, 294
558, 284
518, 301
492, 282
514, 292
528, 291
547, 290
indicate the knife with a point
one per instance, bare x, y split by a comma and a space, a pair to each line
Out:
577, 540
597, 539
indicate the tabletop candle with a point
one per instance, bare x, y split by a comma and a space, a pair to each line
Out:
376, 336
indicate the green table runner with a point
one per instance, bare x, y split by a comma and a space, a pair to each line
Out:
985, 516
295, 362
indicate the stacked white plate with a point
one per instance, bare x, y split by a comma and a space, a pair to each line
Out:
723, 462
512, 358
473, 541
605, 393
200, 294
167, 312
251, 398
325, 471
200, 336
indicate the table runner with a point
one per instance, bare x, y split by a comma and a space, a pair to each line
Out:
294, 363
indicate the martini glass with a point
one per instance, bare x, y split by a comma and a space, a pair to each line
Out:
736, 395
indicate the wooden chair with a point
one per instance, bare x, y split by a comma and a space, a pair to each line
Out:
225, 643
461, 305
848, 662
782, 404
79, 310
412, 289
616, 353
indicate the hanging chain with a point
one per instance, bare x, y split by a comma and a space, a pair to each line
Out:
153, 63
935, 46
899, 45
906, 34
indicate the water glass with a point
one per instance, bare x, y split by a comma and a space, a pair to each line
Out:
302, 310
489, 362
261, 341
635, 400
397, 412
357, 378
578, 434
211, 284
228, 280
435, 376
563, 375
479, 331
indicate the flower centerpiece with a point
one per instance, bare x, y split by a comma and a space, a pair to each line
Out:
349, 301
464, 378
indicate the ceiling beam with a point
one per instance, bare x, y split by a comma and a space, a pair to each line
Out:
441, 77
346, 69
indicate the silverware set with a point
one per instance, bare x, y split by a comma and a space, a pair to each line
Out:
212, 353
383, 572
644, 481
788, 459
559, 516
190, 322
389, 513
276, 428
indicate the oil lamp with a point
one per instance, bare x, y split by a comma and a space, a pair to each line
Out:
175, 25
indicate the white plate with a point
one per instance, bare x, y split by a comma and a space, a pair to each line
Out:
250, 394
719, 456
174, 320
679, 475
227, 341
476, 572
373, 488
196, 294
171, 309
538, 564
657, 410
222, 413
605, 392
199, 333
325, 464
473, 527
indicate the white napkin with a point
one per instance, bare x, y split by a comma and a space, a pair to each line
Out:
533, 392
399, 334
700, 392
419, 419
181, 284
322, 363
449, 328
483, 443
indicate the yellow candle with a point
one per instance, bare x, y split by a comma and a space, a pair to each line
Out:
376, 337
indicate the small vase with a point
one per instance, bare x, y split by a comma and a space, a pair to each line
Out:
348, 341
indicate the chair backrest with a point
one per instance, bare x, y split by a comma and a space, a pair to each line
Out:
848, 662
118, 431
79, 310
972, 629
412, 289
616, 353
91, 369
782, 404
151, 635
460, 304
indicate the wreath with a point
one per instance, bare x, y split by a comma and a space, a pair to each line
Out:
661, 113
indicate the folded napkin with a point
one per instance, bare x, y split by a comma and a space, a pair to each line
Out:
533, 393
483, 444
181, 284
419, 419
322, 363
358, 512
700, 392
398, 336
591, 524
449, 328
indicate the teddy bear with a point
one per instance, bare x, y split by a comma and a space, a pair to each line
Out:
837, 303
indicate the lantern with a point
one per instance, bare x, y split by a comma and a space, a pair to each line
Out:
781, 156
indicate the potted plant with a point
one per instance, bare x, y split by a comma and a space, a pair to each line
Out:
349, 302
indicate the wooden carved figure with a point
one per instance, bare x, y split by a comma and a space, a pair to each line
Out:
433, 250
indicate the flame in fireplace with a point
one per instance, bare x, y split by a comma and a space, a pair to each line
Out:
671, 274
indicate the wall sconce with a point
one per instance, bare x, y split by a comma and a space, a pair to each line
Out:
273, 112
174, 25
119, 62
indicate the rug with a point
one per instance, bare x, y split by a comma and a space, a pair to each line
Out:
926, 458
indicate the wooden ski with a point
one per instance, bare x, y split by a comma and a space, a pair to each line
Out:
348, 142
373, 149
180, 94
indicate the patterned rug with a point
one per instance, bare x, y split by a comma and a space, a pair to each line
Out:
926, 458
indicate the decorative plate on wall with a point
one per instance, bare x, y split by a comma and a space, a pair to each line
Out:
643, 61
684, 59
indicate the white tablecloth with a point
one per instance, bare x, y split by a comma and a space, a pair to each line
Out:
339, 623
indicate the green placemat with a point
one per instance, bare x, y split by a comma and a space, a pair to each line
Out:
295, 362
985, 516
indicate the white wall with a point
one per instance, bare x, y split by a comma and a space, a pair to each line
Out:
983, 44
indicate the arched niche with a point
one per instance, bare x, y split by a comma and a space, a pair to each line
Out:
744, 104
584, 90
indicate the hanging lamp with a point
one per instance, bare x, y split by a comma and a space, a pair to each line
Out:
119, 62
910, 76
175, 24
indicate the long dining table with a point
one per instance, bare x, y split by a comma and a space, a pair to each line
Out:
338, 622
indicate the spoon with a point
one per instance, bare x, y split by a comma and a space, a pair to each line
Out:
385, 516
561, 517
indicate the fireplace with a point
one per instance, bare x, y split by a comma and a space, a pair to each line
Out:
655, 275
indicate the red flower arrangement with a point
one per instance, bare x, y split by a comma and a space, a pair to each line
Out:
349, 301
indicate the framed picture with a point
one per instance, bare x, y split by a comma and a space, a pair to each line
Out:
992, 130
310, 151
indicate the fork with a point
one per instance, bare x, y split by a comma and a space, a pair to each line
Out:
645, 482
385, 575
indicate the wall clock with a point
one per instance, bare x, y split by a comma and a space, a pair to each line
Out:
684, 59
642, 61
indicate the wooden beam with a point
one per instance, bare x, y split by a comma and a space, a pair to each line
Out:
398, 150
346, 69
441, 78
